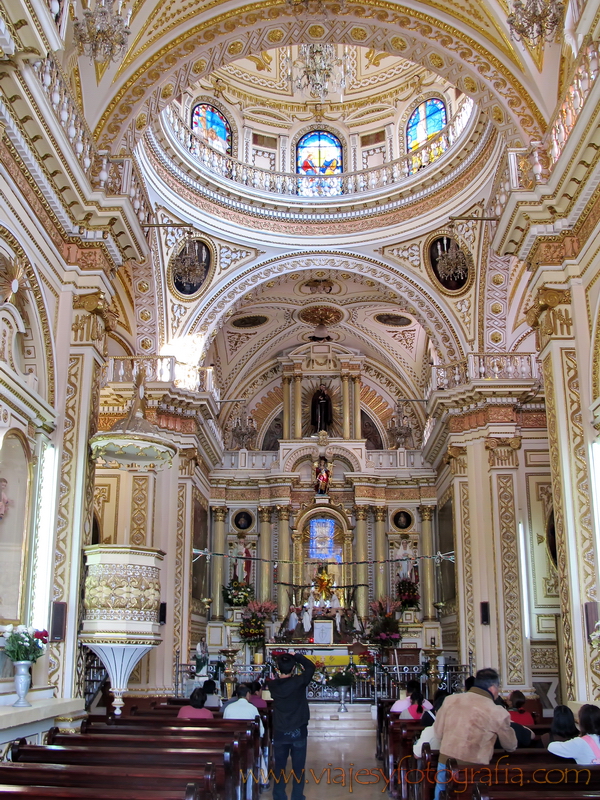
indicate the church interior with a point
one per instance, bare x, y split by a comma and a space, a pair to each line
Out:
299, 347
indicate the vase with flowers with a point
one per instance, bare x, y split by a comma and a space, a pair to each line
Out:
384, 629
254, 619
23, 646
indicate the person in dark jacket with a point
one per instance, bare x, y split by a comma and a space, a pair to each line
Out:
290, 722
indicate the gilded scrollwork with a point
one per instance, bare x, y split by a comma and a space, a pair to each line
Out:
122, 591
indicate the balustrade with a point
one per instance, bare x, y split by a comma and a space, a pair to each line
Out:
115, 176
160, 369
484, 366
287, 184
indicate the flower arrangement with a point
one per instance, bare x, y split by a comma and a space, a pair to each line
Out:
252, 626
24, 644
385, 628
368, 660
263, 609
345, 676
408, 594
238, 593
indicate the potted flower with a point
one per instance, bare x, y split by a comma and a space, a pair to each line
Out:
23, 646
252, 626
407, 592
238, 593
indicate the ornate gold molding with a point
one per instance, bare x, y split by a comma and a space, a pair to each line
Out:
503, 452
96, 303
220, 513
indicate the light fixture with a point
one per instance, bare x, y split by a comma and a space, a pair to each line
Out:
320, 334
244, 430
103, 33
319, 70
453, 263
190, 265
534, 21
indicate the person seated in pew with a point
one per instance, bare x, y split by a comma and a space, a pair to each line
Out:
255, 695
563, 727
516, 709
585, 748
241, 708
404, 702
196, 709
212, 698
469, 682
428, 733
416, 708
428, 717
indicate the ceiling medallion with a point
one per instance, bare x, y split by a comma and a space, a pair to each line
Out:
103, 34
13, 285
253, 321
393, 320
320, 315
534, 21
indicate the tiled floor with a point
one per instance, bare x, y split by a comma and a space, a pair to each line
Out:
333, 770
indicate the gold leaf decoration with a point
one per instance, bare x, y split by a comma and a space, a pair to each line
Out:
13, 284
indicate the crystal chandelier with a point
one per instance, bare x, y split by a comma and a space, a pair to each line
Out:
534, 21
319, 70
103, 34
190, 264
453, 263
243, 431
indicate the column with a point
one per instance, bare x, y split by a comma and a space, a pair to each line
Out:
380, 550
218, 562
427, 564
297, 406
264, 570
287, 420
284, 567
357, 423
83, 322
360, 553
345, 407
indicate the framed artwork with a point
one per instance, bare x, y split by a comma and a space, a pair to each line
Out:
243, 520
14, 512
403, 520
209, 123
323, 631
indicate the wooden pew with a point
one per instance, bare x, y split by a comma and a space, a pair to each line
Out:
168, 780
400, 758
225, 760
8, 792
562, 794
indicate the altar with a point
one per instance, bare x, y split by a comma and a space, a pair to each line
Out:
331, 655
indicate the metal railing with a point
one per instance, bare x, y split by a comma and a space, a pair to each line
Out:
290, 184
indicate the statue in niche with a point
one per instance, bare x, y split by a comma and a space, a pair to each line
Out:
242, 565
321, 410
322, 476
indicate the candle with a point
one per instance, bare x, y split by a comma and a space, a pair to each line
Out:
228, 637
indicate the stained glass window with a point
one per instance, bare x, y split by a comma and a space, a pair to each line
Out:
321, 540
212, 126
427, 119
319, 156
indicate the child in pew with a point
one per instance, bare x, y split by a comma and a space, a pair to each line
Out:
585, 748
416, 709
404, 702
196, 709
516, 709
563, 727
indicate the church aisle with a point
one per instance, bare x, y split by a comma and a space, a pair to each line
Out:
333, 769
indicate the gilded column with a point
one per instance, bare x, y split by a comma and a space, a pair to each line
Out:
287, 419
345, 407
284, 572
357, 423
264, 570
361, 554
427, 564
380, 571
297, 406
218, 562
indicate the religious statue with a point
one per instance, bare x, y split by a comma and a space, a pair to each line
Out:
4, 501
293, 620
403, 558
201, 658
321, 413
414, 572
242, 565
322, 476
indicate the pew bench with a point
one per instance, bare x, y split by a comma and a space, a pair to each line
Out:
97, 793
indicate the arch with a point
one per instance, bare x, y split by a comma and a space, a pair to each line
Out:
345, 454
431, 313
212, 41
335, 510
297, 456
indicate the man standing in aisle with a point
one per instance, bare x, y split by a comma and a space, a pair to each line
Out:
290, 722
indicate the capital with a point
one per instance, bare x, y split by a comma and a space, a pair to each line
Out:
360, 512
380, 513
220, 513
264, 513
96, 303
283, 512
426, 513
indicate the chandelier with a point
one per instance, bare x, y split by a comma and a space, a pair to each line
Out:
243, 431
535, 20
453, 263
103, 34
190, 265
319, 70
